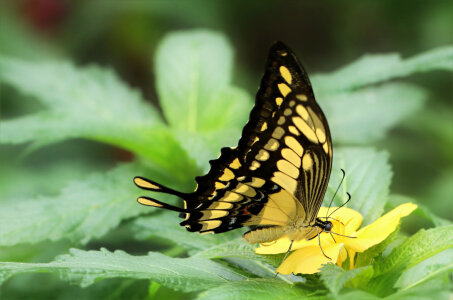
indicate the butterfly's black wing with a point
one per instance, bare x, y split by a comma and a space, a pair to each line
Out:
278, 174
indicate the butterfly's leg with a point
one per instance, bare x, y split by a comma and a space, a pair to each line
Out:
319, 240
286, 255
332, 237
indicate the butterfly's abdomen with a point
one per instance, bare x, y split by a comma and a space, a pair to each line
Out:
264, 235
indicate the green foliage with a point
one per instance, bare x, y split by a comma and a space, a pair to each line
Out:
203, 111
82, 211
86, 267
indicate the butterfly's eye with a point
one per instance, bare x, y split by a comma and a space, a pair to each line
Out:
328, 226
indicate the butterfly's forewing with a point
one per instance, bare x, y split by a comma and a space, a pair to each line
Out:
278, 174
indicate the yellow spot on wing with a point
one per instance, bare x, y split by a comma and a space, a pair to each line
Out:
284, 89
301, 97
221, 205
326, 148
213, 214
264, 126
305, 129
219, 185
291, 156
257, 182
307, 162
287, 112
227, 175
271, 145
278, 133
149, 202
321, 135
145, 184
281, 120
255, 165
232, 197
262, 155
207, 225
293, 130
286, 74
288, 168
245, 190
294, 144
285, 181
235, 164
302, 111
279, 100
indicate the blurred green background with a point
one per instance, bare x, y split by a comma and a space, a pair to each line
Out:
325, 35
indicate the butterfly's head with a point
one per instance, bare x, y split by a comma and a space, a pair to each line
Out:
326, 226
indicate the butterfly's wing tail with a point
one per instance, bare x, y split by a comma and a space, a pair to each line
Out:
156, 187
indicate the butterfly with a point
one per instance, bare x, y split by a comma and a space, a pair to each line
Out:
274, 181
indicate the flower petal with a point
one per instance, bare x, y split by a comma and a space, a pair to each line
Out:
379, 230
309, 260
342, 256
279, 246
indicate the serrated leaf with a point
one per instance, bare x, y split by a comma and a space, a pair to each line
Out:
365, 116
441, 263
255, 289
91, 103
193, 73
371, 69
417, 248
334, 277
235, 248
83, 210
86, 267
368, 177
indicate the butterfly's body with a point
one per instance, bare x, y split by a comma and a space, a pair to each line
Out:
276, 178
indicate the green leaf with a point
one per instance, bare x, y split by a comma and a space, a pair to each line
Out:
235, 248
433, 289
357, 295
414, 250
372, 69
254, 289
368, 177
166, 225
89, 103
193, 73
86, 267
365, 116
335, 278
437, 265
83, 210
417, 248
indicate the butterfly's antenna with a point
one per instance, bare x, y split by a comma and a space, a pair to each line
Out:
349, 198
331, 201
156, 187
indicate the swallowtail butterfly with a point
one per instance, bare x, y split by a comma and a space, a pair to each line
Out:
275, 179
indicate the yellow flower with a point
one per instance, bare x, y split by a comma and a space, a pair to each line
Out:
308, 257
